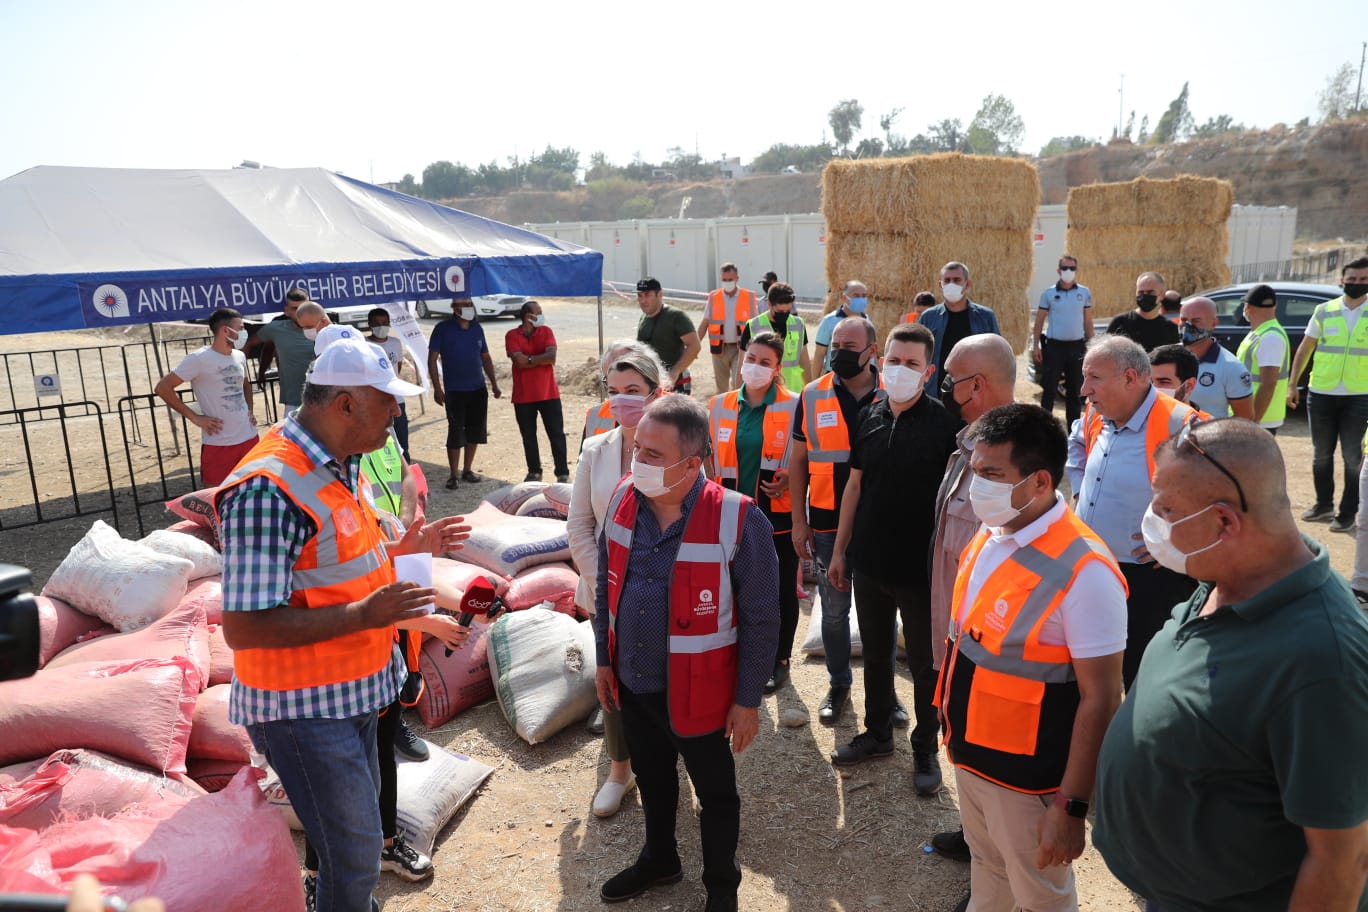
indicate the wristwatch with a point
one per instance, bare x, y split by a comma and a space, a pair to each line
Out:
1074, 807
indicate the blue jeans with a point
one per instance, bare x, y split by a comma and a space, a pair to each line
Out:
835, 615
331, 772
1337, 419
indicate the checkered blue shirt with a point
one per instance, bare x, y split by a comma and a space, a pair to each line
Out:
263, 534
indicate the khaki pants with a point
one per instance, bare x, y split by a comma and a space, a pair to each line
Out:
727, 367
1000, 827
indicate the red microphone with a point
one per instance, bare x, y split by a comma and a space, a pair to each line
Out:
480, 598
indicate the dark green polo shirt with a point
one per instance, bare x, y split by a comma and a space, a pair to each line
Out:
1242, 728
750, 438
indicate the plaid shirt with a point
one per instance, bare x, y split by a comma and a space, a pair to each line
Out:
263, 534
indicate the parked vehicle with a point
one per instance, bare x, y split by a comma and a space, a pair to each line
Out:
486, 306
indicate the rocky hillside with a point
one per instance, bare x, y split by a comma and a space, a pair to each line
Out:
1312, 168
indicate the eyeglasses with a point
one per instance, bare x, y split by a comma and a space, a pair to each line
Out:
1186, 436
948, 385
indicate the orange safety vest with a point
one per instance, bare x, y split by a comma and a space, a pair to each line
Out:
1008, 701
1166, 418
717, 314
344, 561
828, 438
701, 676
777, 434
598, 420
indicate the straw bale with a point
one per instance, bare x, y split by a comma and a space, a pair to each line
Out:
1178, 201
925, 193
1140, 247
1113, 287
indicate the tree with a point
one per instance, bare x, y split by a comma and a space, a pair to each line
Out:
688, 165
1130, 125
1336, 100
600, 168
886, 124
443, 180
408, 184
781, 155
564, 160
845, 122
1215, 126
1144, 130
870, 147
1176, 122
946, 136
996, 129
1058, 145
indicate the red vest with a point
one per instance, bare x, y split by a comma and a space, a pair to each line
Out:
703, 652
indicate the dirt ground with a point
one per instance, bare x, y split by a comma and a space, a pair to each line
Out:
812, 839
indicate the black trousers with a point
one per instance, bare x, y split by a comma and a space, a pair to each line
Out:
1065, 358
1154, 590
788, 593
655, 750
877, 605
385, 727
554, 422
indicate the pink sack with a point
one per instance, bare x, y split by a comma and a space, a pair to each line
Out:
220, 657
60, 625
76, 784
198, 508
212, 736
212, 775
456, 682
554, 583
206, 593
228, 850
138, 711
202, 532
181, 633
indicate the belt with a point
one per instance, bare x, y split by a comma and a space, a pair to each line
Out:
1053, 339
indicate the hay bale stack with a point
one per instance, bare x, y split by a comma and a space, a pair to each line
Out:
1175, 227
893, 222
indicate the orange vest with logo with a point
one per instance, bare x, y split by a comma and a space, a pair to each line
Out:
777, 432
598, 420
828, 438
717, 314
703, 647
1166, 418
343, 562
1008, 700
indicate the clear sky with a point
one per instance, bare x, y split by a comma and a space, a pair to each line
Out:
376, 90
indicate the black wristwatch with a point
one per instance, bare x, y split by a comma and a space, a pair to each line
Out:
1074, 807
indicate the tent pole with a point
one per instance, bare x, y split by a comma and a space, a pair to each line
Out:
600, 340
161, 372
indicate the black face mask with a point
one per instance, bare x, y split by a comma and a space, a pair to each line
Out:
1355, 289
780, 321
1191, 333
955, 408
846, 363
1146, 302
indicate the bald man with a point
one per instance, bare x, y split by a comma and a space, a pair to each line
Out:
1224, 385
1145, 324
1232, 777
290, 339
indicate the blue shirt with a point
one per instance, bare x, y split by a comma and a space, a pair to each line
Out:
937, 319
1221, 378
1113, 481
643, 617
263, 534
462, 352
1068, 309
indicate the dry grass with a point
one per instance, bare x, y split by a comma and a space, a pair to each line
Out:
1178, 201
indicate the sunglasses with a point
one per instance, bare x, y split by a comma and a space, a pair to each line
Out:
1188, 437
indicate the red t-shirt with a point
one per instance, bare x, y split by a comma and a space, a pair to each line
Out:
532, 384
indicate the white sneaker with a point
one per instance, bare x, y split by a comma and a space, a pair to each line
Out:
609, 797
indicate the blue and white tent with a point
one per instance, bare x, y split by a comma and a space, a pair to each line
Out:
97, 247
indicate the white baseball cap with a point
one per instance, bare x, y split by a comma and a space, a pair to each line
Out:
356, 362
331, 333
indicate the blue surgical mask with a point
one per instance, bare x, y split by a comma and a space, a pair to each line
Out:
858, 304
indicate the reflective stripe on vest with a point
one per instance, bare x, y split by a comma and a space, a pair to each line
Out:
717, 314
1008, 699
776, 438
599, 420
828, 438
790, 367
1340, 355
701, 678
384, 470
1248, 354
1166, 418
344, 561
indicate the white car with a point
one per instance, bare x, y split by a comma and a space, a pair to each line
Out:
495, 305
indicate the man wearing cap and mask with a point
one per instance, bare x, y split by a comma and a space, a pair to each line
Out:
1224, 385
956, 317
727, 310
854, 302
1146, 324
285, 340
687, 626
1267, 356
668, 330
311, 603
1059, 349
795, 367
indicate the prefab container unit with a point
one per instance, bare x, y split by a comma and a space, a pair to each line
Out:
677, 253
621, 246
807, 256
756, 245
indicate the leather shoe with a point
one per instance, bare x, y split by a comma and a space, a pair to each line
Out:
777, 678
899, 714
636, 880
952, 845
832, 705
609, 797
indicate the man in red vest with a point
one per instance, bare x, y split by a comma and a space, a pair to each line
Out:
687, 626
726, 311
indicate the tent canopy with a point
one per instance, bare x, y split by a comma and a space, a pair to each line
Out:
97, 247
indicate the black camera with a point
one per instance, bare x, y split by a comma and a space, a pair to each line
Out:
18, 624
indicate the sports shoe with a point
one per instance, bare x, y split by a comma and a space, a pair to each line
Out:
408, 745
777, 677
899, 714
926, 772
863, 747
404, 860
532, 476
1319, 514
832, 704
310, 893
563, 479
952, 845
636, 880
594, 724
1344, 524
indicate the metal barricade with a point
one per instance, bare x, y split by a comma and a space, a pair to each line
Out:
72, 423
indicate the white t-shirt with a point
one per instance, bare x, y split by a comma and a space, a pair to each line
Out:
217, 382
1314, 330
393, 347
1090, 619
1270, 354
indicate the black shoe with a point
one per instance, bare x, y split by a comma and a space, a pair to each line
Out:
407, 744
721, 903
636, 880
533, 476
404, 860
951, 845
777, 678
899, 714
563, 478
1344, 524
926, 772
1318, 514
963, 904
832, 705
864, 747
310, 892
1361, 597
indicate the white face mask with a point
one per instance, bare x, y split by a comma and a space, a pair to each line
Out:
902, 383
539, 319
1067, 275
952, 292
992, 501
380, 332
649, 480
756, 376
311, 334
1158, 533
729, 286
240, 340
467, 313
